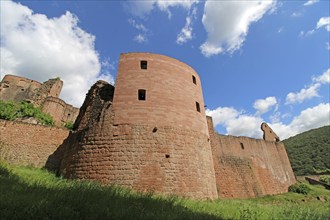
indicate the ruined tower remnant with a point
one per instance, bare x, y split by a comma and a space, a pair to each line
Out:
269, 134
149, 133
45, 95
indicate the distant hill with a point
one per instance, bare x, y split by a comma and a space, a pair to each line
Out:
309, 152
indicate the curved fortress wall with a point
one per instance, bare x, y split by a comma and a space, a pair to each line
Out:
156, 142
172, 89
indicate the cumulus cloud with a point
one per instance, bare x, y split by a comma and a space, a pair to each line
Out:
236, 122
143, 8
323, 22
309, 118
239, 123
303, 94
310, 2
311, 91
227, 23
40, 48
187, 31
264, 105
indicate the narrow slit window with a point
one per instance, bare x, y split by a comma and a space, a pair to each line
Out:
142, 94
198, 108
144, 64
194, 79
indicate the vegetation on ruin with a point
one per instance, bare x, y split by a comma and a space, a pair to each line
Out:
309, 152
69, 125
11, 111
30, 193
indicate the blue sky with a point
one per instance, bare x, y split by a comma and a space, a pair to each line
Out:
258, 60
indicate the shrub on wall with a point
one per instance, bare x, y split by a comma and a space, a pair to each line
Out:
300, 188
69, 125
10, 111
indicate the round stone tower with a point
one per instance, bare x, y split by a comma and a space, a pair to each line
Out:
150, 134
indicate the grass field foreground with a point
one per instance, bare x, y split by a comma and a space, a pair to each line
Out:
31, 193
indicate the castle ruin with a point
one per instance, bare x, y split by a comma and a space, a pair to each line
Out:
45, 95
150, 133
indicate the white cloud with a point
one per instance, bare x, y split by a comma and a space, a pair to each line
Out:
296, 14
324, 22
227, 23
311, 91
240, 124
264, 105
303, 94
222, 115
187, 31
40, 48
143, 8
327, 45
309, 118
310, 2
324, 78
142, 36
236, 122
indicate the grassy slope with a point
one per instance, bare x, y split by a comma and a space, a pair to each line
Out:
29, 193
309, 151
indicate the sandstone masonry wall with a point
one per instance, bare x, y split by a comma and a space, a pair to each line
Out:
59, 110
247, 167
29, 144
45, 95
172, 90
164, 159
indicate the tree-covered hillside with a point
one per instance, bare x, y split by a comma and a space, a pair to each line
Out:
309, 152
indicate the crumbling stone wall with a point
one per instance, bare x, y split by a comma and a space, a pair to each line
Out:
247, 167
16, 88
29, 144
59, 110
145, 157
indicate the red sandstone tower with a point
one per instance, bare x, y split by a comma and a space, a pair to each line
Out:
150, 134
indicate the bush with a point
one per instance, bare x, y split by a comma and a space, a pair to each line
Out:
69, 125
300, 188
325, 179
11, 111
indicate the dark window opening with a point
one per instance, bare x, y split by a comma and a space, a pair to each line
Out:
154, 130
242, 146
198, 108
167, 155
144, 64
22, 89
142, 94
194, 79
69, 114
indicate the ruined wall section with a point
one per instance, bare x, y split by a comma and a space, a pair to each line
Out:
163, 159
15, 88
172, 90
60, 110
29, 144
247, 167
45, 95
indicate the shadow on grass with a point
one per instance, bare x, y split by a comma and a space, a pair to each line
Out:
81, 200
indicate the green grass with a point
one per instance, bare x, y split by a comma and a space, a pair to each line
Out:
30, 193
